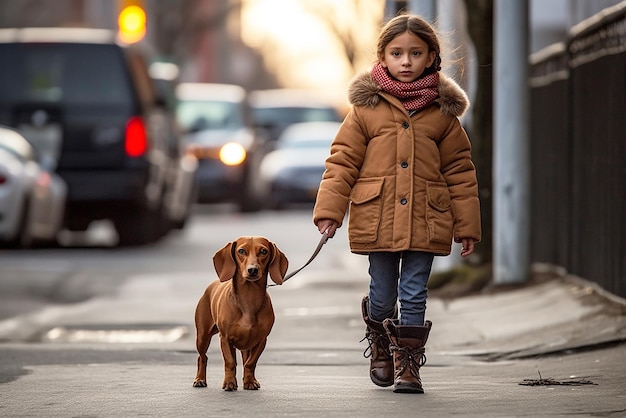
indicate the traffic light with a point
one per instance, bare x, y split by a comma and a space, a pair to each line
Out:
131, 21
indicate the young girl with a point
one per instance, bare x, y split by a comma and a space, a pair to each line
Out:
401, 161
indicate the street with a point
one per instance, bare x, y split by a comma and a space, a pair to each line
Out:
91, 330
61, 278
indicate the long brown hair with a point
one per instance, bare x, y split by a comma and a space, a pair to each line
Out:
416, 26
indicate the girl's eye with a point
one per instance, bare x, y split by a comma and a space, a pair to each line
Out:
416, 53
395, 54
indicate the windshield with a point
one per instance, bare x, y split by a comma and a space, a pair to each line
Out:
289, 115
322, 143
209, 115
63, 73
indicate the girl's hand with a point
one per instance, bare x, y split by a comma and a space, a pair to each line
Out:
468, 246
327, 225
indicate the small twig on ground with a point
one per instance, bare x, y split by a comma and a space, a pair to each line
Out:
550, 381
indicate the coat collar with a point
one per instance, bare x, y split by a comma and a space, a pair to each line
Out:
452, 100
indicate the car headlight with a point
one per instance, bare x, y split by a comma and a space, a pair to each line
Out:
232, 154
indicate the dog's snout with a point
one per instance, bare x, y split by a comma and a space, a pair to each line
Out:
253, 271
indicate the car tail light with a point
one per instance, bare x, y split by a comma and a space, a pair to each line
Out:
136, 139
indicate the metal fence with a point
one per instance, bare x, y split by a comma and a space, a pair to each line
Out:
578, 152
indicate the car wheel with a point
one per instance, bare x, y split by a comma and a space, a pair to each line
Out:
249, 201
249, 205
193, 198
143, 226
20, 239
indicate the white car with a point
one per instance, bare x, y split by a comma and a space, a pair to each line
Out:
292, 172
32, 198
275, 109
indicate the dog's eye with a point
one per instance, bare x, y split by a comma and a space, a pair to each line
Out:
263, 251
241, 251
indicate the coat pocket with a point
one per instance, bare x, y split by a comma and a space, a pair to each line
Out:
439, 213
365, 210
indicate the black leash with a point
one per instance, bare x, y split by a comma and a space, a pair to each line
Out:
315, 253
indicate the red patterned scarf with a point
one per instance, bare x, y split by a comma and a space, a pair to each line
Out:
414, 95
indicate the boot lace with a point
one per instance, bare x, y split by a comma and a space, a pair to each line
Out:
411, 358
376, 341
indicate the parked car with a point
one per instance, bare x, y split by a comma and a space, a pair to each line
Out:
32, 198
219, 133
293, 171
275, 109
88, 102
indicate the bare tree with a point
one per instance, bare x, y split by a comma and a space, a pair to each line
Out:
179, 25
357, 47
480, 28
37, 13
477, 273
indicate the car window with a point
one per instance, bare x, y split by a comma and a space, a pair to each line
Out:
305, 143
209, 115
289, 115
74, 74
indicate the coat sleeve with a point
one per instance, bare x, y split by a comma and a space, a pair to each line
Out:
460, 174
341, 170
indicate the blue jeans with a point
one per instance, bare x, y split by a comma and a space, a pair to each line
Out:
399, 276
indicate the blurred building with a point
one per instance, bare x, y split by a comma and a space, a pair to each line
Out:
201, 36
550, 21
204, 36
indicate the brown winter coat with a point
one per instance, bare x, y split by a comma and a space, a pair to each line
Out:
409, 181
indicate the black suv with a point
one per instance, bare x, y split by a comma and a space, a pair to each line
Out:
91, 106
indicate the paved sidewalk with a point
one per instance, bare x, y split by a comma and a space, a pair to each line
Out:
481, 348
556, 316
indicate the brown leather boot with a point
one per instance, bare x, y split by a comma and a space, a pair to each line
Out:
381, 362
407, 347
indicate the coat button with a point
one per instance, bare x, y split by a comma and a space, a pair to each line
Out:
404, 164
403, 201
405, 125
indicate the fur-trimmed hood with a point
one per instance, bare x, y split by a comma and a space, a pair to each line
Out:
364, 91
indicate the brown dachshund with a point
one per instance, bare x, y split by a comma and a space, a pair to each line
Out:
240, 310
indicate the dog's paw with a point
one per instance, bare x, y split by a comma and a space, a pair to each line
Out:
251, 385
229, 386
199, 383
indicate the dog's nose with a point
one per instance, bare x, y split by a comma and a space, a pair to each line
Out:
253, 271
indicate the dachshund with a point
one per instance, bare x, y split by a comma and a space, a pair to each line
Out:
238, 307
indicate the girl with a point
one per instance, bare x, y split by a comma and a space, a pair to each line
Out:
401, 161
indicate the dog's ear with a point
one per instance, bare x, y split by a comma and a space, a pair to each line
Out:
278, 265
224, 262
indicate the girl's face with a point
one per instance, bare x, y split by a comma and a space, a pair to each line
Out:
406, 57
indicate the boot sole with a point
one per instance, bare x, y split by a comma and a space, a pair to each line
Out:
407, 389
381, 383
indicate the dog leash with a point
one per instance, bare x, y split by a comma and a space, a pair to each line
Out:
315, 253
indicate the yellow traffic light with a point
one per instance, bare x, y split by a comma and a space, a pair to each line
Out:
132, 24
